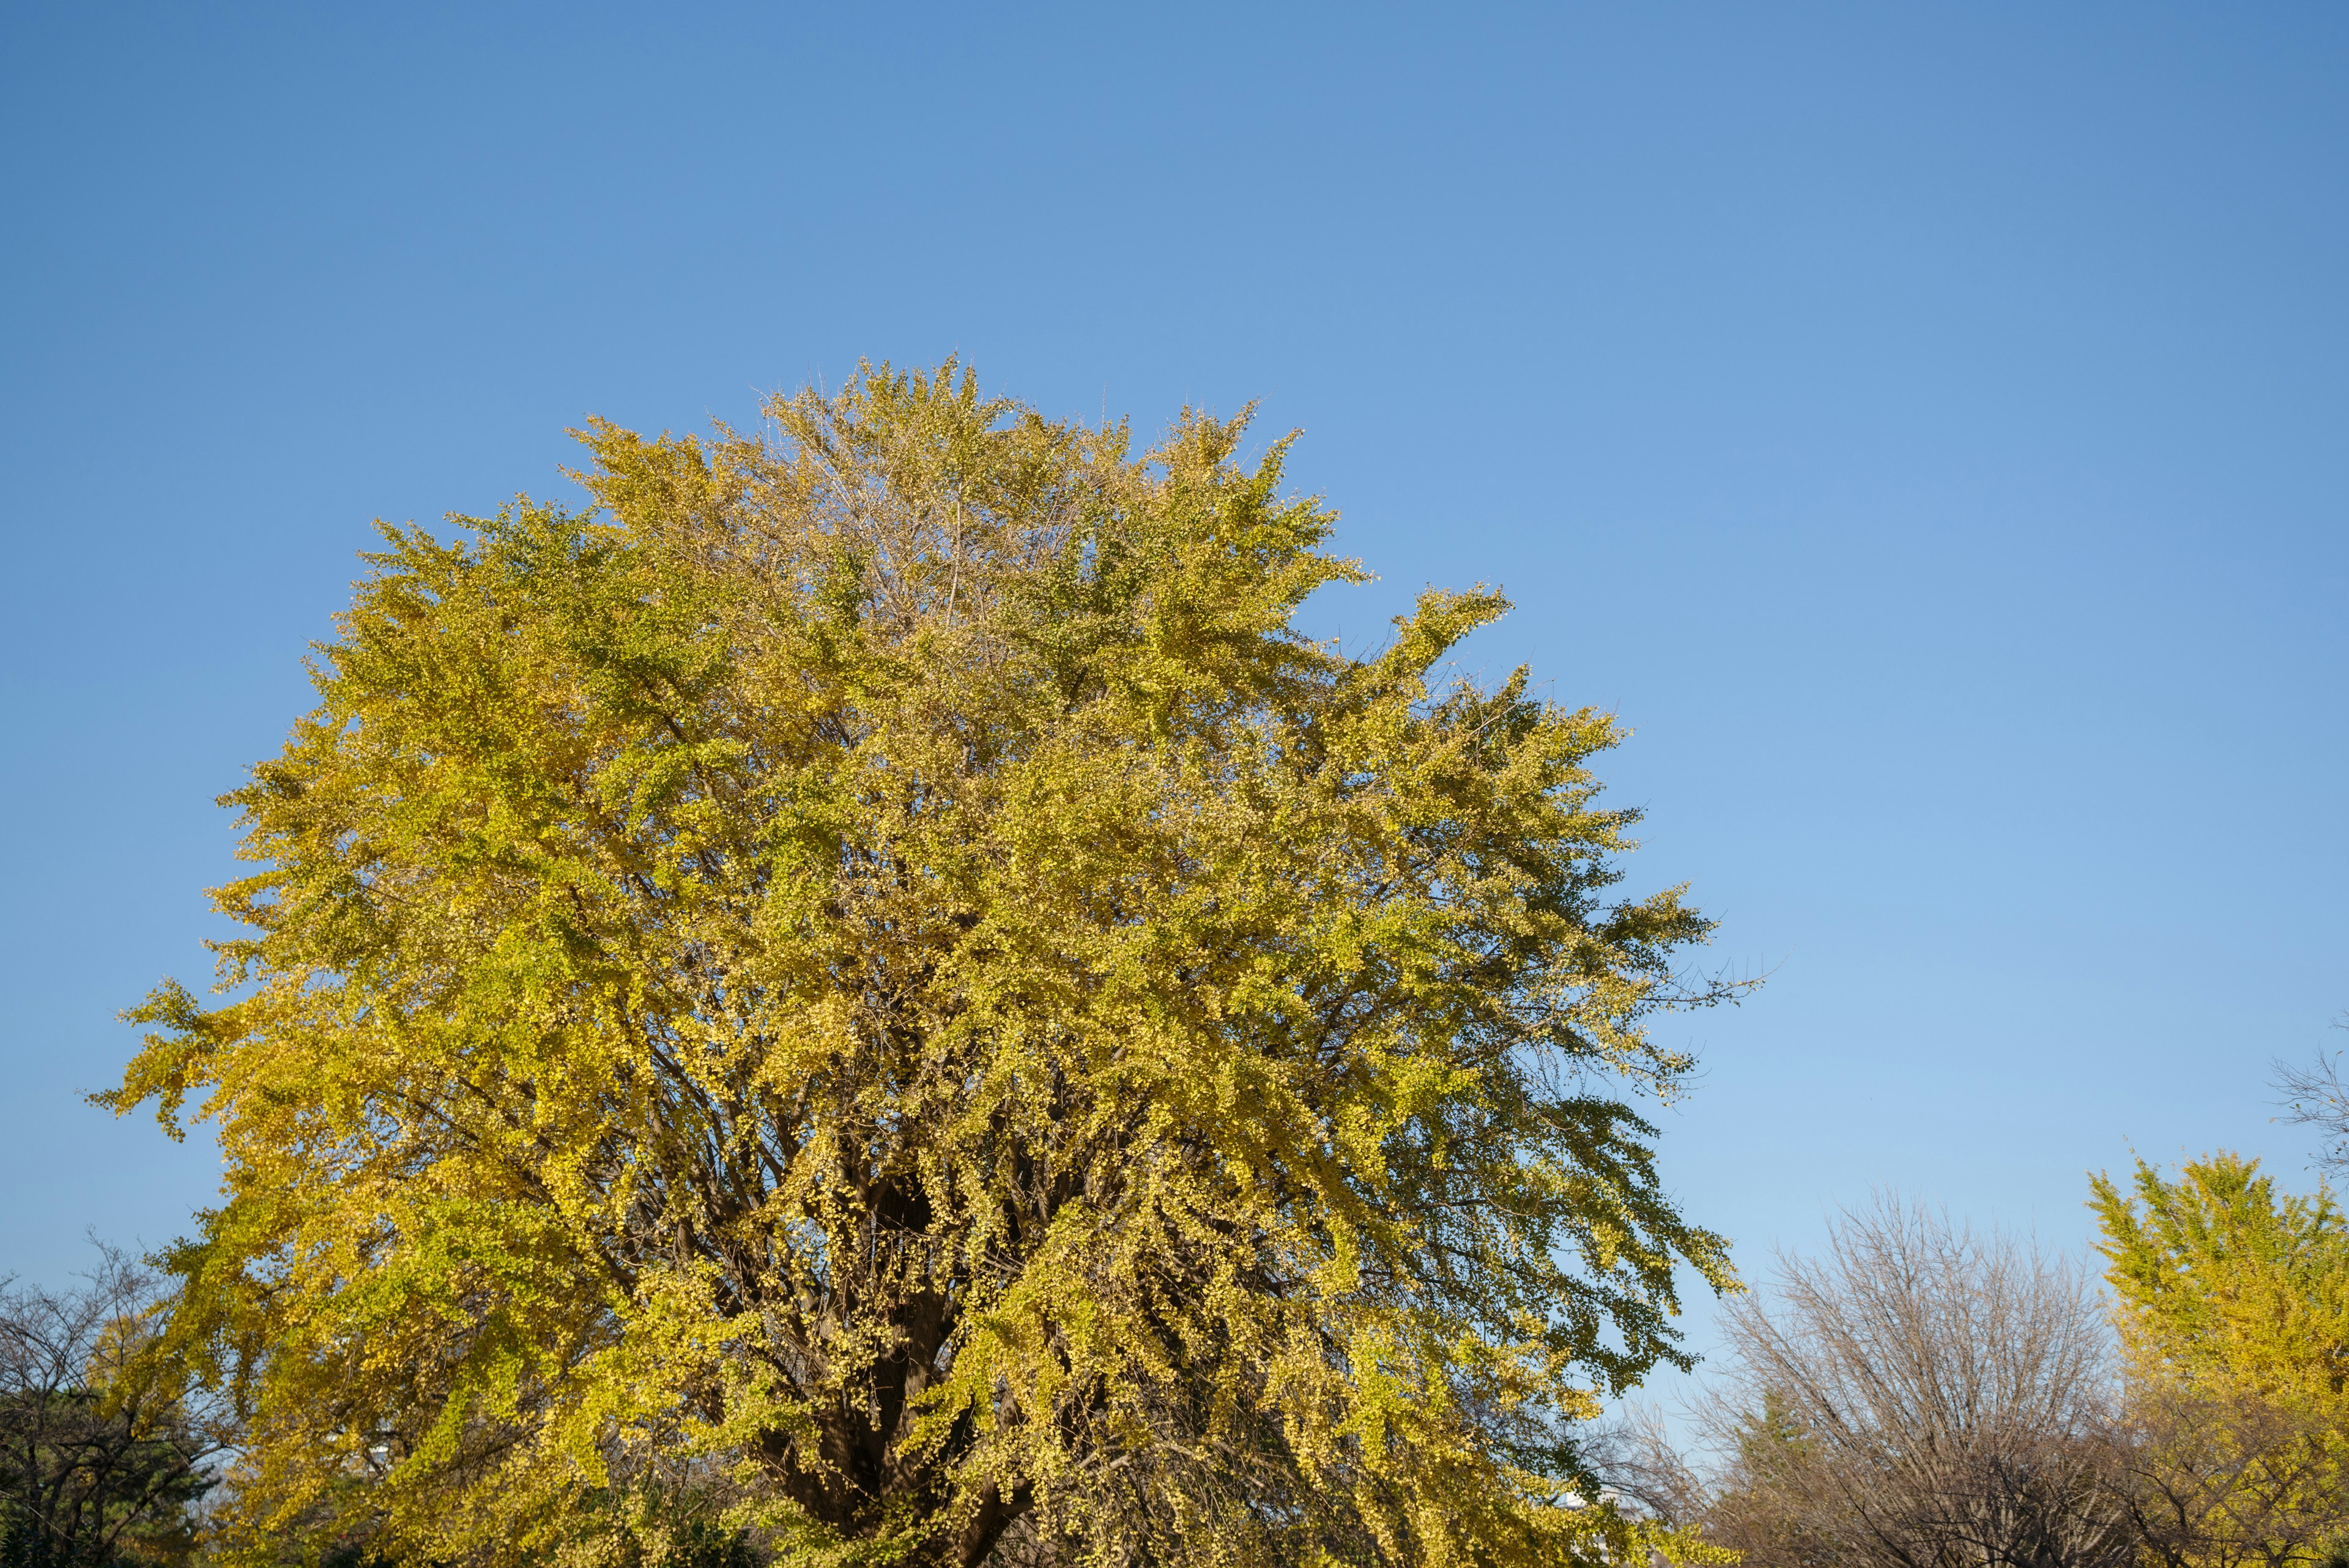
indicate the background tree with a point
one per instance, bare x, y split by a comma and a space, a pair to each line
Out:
2234, 1311
1633, 1457
101, 1453
2315, 1096
880, 963
2226, 1479
1922, 1397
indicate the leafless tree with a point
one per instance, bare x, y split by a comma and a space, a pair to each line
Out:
2315, 1095
101, 1453
1642, 1469
1921, 1397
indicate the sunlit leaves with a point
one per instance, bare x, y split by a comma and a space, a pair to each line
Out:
874, 985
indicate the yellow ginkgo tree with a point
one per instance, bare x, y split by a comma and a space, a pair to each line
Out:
2233, 1309
868, 996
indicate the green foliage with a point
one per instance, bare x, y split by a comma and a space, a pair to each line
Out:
1766, 1508
1771, 1443
877, 966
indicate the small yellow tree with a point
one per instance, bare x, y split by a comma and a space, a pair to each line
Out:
874, 981
2234, 1317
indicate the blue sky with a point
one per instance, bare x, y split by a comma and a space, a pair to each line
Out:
1923, 424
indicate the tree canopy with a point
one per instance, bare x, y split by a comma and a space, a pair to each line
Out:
2234, 1317
101, 1449
2224, 1281
871, 989
1920, 1395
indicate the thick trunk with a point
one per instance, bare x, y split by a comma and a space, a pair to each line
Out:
997, 1513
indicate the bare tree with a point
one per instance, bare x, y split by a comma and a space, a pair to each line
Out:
101, 1454
1922, 1397
1641, 1469
2315, 1096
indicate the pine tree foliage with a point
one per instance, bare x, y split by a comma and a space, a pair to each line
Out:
873, 977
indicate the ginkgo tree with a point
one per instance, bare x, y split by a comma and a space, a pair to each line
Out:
871, 984
2232, 1302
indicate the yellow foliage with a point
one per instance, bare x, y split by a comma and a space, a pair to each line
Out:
2234, 1317
2224, 1283
872, 986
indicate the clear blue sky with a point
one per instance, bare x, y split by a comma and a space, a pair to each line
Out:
1928, 426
